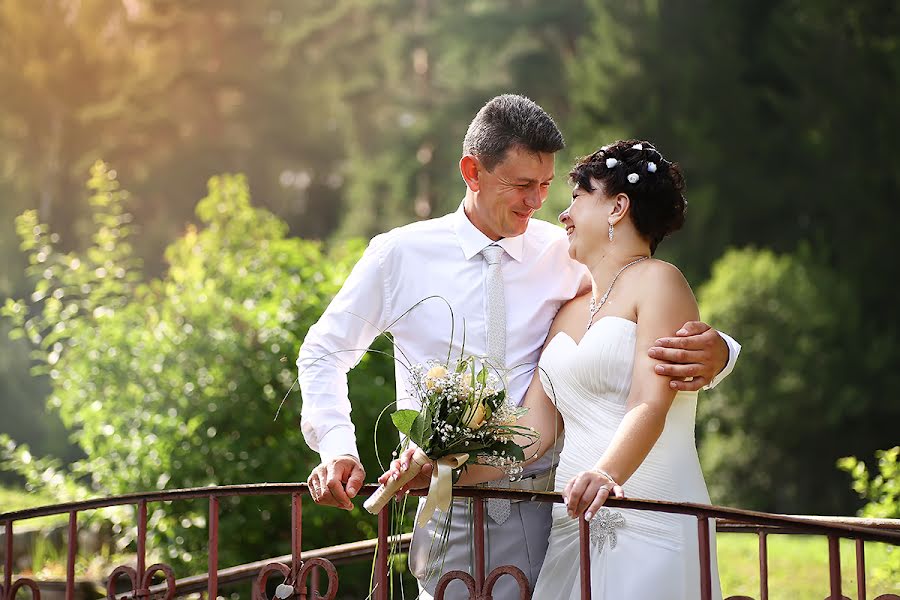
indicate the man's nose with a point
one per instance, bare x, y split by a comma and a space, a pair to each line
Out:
533, 199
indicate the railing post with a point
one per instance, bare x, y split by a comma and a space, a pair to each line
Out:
212, 588
7, 569
584, 541
763, 566
381, 562
834, 566
72, 550
705, 569
296, 536
141, 546
478, 507
860, 570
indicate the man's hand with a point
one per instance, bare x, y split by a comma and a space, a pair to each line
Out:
695, 355
336, 481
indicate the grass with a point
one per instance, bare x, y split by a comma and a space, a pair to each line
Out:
798, 567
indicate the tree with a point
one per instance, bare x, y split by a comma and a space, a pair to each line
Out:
777, 113
176, 382
773, 431
438, 65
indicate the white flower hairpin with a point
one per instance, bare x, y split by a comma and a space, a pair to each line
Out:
611, 162
638, 147
651, 167
633, 178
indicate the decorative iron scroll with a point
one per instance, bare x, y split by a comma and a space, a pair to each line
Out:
141, 589
489, 582
299, 586
19, 584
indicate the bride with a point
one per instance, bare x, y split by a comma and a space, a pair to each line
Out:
626, 428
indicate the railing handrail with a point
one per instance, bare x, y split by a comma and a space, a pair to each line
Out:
883, 530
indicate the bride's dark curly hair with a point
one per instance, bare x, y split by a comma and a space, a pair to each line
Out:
657, 198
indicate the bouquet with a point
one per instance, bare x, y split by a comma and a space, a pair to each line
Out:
464, 418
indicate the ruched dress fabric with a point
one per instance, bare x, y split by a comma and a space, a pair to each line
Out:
635, 555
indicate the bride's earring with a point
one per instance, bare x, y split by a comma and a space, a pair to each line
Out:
610, 232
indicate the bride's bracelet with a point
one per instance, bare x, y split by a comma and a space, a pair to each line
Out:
607, 475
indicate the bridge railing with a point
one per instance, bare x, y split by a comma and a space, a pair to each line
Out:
302, 571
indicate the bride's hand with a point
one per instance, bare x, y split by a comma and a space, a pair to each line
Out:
586, 493
399, 466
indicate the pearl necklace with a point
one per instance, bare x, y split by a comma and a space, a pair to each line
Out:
595, 306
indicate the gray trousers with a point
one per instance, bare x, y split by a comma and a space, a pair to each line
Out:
520, 541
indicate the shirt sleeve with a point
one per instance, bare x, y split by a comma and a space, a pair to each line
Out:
333, 346
734, 349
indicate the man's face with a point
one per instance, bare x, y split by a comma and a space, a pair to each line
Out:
512, 192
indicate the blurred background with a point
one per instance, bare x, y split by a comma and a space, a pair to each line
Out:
149, 335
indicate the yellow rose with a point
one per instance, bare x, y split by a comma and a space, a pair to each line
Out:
433, 375
476, 416
436, 372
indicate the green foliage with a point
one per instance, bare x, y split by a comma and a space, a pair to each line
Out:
775, 151
772, 432
437, 63
175, 382
881, 491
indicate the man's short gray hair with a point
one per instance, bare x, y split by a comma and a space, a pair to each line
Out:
510, 120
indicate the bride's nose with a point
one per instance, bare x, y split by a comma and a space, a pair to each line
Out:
564, 216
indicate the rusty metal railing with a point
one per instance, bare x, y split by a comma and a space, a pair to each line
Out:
301, 570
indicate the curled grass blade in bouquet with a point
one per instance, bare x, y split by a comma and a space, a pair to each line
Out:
464, 418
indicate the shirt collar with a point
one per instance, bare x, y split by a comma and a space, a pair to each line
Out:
472, 240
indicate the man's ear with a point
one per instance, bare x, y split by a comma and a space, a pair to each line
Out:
469, 169
621, 206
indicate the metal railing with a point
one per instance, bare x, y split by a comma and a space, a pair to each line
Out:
303, 569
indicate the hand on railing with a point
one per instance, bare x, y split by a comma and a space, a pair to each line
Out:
335, 482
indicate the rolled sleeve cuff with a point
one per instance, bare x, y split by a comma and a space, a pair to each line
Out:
338, 441
734, 349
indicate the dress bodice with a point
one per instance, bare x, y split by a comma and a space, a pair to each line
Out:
590, 382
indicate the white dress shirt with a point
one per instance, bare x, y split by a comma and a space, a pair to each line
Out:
438, 257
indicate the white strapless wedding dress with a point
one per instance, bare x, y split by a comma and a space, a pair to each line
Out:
639, 555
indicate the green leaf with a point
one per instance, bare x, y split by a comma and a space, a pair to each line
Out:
404, 421
483, 375
421, 430
512, 449
495, 400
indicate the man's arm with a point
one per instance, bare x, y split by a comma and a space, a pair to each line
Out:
333, 346
696, 351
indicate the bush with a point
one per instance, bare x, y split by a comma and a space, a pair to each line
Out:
800, 396
883, 495
175, 382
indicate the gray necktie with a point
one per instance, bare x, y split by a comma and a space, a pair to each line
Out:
498, 509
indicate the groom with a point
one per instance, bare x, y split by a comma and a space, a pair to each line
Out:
507, 166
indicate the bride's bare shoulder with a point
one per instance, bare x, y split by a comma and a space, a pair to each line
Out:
664, 288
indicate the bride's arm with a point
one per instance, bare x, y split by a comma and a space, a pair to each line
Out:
661, 310
542, 416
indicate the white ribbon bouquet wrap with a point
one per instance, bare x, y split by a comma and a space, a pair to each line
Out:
464, 417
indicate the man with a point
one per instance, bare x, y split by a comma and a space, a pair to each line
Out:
507, 166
